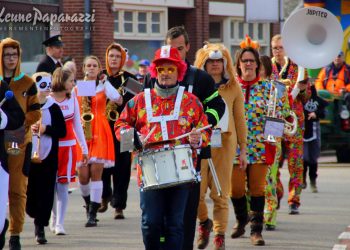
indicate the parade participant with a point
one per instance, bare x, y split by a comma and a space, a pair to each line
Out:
202, 85
260, 152
43, 168
121, 172
98, 136
61, 92
54, 53
271, 200
284, 69
165, 207
143, 70
12, 117
314, 110
216, 60
335, 77
25, 92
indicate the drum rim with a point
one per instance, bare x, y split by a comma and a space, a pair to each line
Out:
164, 149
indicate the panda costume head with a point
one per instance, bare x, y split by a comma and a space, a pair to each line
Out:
43, 82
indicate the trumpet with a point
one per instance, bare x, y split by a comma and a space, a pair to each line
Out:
13, 149
36, 141
276, 92
87, 116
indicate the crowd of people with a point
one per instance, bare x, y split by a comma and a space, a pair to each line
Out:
212, 118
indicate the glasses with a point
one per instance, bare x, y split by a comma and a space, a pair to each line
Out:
277, 48
246, 61
165, 69
9, 56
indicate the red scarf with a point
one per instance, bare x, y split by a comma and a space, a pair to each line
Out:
246, 85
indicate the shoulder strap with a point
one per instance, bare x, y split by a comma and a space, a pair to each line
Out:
190, 79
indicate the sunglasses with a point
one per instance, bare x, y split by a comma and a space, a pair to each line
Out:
165, 69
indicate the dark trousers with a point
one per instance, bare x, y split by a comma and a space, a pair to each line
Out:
40, 191
163, 211
120, 173
312, 151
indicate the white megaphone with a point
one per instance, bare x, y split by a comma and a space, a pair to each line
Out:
312, 37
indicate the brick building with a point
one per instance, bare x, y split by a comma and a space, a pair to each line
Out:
138, 25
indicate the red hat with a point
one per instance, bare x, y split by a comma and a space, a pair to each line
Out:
166, 53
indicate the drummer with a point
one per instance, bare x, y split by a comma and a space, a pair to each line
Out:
161, 114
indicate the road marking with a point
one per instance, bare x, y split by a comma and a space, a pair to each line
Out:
339, 247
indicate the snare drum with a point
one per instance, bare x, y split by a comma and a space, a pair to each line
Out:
167, 167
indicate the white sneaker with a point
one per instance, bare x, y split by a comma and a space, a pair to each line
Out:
59, 230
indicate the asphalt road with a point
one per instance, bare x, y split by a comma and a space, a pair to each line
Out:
323, 217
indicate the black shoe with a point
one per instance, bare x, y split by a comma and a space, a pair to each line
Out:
40, 235
2, 235
293, 209
269, 227
14, 243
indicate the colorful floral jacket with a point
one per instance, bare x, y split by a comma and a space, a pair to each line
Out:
191, 116
291, 73
256, 108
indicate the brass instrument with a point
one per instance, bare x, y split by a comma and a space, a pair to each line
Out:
87, 116
35, 152
290, 128
111, 111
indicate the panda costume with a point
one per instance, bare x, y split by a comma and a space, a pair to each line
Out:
43, 171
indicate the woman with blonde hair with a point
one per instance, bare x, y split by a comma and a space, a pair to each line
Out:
98, 136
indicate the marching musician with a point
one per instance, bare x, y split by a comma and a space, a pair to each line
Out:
121, 172
61, 92
43, 168
285, 70
165, 207
216, 60
202, 85
25, 92
11, 117
260, 152
98, 136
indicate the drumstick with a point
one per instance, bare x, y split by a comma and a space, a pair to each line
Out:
187, 134
148, 135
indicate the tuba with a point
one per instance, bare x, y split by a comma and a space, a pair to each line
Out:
87, 116
312, 37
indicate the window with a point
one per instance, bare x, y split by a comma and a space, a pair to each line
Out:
215, 31
257, 31
128, 15
134, 23
142, 22
155, 22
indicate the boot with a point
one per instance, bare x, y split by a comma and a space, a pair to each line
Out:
104, 205
241, 212
204, 230
92, 222
257, 220
40, 235
87, 204
14, 242
313, 186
